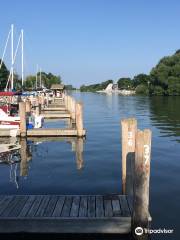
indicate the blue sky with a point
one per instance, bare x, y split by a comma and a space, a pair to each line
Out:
88, 41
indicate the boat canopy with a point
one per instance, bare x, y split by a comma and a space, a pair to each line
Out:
8, 94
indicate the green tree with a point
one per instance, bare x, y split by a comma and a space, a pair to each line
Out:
141, 79
125, 83
47, 80
95, 87
4, 74
30, 82
142, 89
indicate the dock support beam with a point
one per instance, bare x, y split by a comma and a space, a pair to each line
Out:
79, 119
23, 163
22, 114
129, 128
141, 183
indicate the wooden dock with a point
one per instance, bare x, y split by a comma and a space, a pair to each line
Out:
89, 214
61, 109
65, 214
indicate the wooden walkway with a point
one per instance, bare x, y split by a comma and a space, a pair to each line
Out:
65, 214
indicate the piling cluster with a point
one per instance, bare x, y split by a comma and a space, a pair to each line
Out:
58, 108
136, 155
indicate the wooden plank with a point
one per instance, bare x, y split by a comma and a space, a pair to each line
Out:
130, 203
17, 209
42, 206
99, 206
56, 115
91, 206
58, 208
27, 206
67, 207
50, 207
52, 132
54, 109
33, 209
83, 206
116, 208
10, 206
124, 206
75, 206
4, 203
108, 207
120, 225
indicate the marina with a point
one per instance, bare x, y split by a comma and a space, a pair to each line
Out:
110, 213
89, 120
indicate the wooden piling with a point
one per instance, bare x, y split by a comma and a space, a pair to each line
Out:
23, 153
28, 106
79, 153
79, 119
22, 114
129, 128
141, 181
73, 109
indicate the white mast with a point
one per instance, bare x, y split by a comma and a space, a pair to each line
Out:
36, 75
12, 57
22, 56
40, 79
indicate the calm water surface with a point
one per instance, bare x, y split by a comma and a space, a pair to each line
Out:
54, 167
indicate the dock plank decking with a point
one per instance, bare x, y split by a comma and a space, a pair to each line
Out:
65, 214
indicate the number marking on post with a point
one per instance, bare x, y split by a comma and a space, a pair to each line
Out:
130, 142
146, 153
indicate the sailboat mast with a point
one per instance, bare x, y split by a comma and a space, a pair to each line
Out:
12, 57
40, 79
36, 76
22, 56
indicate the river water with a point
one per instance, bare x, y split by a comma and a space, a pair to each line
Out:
54, 167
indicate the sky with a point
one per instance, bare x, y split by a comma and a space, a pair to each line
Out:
90, 41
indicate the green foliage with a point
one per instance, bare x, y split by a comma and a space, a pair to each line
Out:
30, 82
174, 89
142, 89
4, 74
125, 83
69, 87
166, 75
158, 91
141, 79
95, 87
47, 80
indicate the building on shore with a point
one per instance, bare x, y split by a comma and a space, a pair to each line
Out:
113, 88
58, 89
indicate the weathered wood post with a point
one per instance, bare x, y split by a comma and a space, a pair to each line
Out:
28, 106
37, 106
79, 119
79, 153
22, 114
141, 183
23, 153
73, 109
69, 104
129, 128
66, 101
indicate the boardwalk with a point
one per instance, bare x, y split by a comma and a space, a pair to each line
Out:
65, 214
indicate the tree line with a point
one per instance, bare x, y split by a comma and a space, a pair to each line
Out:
163, 79
47, 79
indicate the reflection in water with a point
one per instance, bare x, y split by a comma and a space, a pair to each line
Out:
165, 115
17, 153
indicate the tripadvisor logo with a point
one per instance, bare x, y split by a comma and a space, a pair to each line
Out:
139, 231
